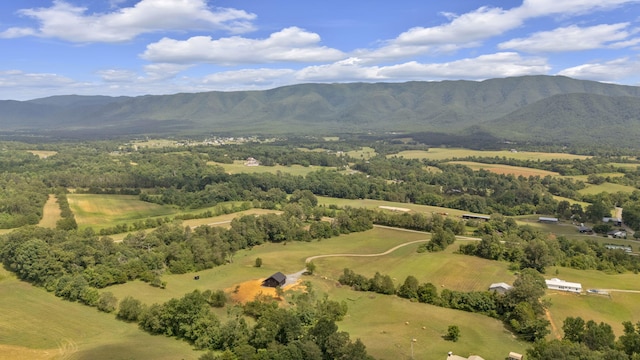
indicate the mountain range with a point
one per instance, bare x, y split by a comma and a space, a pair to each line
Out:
545, 109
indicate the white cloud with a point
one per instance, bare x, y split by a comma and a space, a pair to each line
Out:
622, 68
72, 23
118, 75
288, 45
163, 71
11, 78
571, 38
249, 79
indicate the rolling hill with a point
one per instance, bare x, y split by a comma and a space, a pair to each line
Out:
502, 107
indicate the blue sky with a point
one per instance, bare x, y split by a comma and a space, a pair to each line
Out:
138, 47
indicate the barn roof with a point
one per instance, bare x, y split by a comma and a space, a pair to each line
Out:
279, 277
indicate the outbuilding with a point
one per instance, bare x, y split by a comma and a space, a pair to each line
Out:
557, 284
275, 280
500, 288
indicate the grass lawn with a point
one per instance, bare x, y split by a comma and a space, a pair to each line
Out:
506, 169
35, 325
50, 213
238, 167
450, 153
612, 310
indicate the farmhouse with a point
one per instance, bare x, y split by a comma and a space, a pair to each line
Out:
557, 284
251, 162
275, 280
500, 288
549, 220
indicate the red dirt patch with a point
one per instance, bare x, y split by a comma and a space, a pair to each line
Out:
248, 290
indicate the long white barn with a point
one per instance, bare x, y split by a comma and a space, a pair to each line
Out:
557, 284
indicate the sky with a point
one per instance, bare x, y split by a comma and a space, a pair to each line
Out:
140, 47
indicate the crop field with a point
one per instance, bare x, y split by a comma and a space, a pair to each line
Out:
238, 167
450, 153
106, 210
50, 213
506, 169
40, 326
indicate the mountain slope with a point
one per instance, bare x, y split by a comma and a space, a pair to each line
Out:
573, 118
447, 106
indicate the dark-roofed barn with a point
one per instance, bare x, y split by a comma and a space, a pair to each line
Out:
275, 280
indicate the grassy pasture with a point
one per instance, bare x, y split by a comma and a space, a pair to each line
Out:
42, 154
450, 153
386, 335
375, 204
506, 169
606, 187
572, 201
50, 213
613, 310
100, 211
35, 325
238, 167
364, 153
628, 166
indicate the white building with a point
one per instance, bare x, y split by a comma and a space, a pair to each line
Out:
557, 284
500, 288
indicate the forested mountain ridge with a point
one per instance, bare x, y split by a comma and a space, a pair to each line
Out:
447, 106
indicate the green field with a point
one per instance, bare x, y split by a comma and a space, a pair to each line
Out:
364, 153
450, 153
99, 211
50, 213
387, 334
36, 325
42, 154
375, 204
506, 169
606, 187
238, 167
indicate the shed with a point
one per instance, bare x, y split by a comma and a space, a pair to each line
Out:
557, 284
584, 229
515, 356
500, 288
275, 280
616, 221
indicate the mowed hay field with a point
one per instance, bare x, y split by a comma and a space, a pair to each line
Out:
107, 210
35, 325
238, 167
506, 169
50, 213
450, 153
376, 204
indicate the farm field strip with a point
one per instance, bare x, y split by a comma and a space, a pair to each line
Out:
450, 153
238, 167
50, 213
106, 210
506, 169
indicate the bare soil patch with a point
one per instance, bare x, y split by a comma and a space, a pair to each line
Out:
248, 290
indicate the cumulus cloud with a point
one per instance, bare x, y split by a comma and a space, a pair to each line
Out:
571, 38
612, 70
11, 78
72, 23
288, 45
